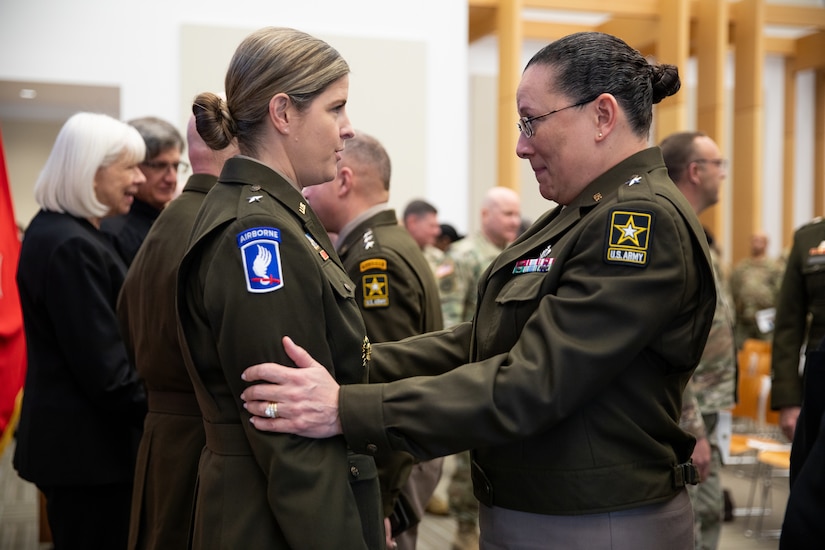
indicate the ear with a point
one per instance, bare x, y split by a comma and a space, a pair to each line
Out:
607, 114
280, 113
346, 181
692, 173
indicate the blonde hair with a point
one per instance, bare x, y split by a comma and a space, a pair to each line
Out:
269, 61
86, 143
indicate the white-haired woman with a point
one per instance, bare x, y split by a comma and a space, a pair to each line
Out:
83, 403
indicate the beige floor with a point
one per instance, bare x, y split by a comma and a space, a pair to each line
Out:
19, 522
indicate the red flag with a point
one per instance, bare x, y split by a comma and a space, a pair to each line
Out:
12, 338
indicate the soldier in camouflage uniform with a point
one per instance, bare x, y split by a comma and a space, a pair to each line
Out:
694, 163
458, 285
754, 285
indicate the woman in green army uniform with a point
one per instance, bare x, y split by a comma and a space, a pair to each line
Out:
260, 265
567, 384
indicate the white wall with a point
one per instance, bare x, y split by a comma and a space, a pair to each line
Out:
136, 46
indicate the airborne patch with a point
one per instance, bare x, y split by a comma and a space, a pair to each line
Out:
261, 256
376, 290
373, 263
628, 238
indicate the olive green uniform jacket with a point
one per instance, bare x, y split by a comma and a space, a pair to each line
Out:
587, 329
167, 462
260, 266
398, 296
801, 297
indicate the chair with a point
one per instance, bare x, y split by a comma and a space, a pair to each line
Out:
756, 428
755, 421
771, 463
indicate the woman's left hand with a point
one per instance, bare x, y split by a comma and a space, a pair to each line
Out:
305, 398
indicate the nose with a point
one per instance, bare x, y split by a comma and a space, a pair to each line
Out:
523, 147
171, 173
140, 177
347, 132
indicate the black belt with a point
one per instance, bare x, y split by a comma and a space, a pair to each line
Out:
685, 474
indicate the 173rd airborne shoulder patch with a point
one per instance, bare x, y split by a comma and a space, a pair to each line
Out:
628, 237
261, 256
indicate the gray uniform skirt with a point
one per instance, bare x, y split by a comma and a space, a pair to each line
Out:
666, 525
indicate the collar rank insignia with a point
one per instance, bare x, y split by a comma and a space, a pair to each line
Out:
597, 197
261, 256
255, 198
633, 180
628, 238
302, 208
369, 239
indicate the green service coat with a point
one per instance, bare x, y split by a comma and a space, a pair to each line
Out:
398, 296
587, 329
167, 461
260, 266
800, 313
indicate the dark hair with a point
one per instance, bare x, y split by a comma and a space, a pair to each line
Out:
591, 63
158, 135
450, 233
677, 150
419, 208
269, 61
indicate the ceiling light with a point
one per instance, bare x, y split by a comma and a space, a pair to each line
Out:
28, 93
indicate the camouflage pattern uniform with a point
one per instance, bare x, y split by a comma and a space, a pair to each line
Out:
459, 288
754, 286
458, 285
712, 388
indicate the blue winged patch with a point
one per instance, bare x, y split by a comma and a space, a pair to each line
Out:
628, 238
261, 256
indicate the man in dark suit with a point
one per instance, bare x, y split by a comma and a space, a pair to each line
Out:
173, 436
394, 287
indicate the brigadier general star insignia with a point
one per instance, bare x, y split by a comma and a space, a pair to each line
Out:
255, 198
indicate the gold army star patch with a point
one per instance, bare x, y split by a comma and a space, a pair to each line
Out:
376, 290
628, 237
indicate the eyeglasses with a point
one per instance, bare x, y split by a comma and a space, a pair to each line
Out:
166, 166
525, 124
719, 163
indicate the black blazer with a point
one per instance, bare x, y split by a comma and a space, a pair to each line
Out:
83, 405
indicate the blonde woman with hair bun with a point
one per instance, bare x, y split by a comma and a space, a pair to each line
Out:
260, 266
